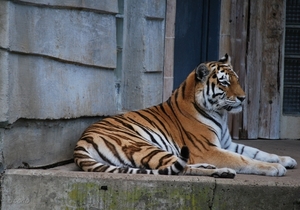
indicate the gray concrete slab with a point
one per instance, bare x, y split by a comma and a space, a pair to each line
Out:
66, 188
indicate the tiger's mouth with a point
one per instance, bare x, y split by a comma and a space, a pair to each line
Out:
228, 108
233, 109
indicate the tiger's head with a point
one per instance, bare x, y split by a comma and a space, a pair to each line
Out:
217, 86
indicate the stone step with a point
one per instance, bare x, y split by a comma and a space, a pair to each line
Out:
57, 189
66, 188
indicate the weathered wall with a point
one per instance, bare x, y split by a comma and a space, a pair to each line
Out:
53, 58
57, 62
252, 32
65, 63
169, 49
40, 142
144, 31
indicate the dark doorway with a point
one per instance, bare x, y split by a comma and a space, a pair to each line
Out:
197, 32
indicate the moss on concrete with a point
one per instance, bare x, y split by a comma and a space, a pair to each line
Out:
138, 195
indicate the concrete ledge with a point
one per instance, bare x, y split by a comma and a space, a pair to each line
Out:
66, 188
50, 189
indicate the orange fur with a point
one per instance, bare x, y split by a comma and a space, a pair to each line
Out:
174, 137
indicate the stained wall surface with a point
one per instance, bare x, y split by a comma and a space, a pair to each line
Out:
66, 64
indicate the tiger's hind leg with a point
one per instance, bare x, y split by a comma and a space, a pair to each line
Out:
209, 170
140, 158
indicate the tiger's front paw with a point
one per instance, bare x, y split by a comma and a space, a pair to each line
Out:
224, 173
276, 169
287, 162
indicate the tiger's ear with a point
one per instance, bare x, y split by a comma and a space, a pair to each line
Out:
225, 59
201, 72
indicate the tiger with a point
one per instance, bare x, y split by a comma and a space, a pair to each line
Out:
185, 135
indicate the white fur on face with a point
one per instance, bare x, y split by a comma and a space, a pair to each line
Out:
223, 78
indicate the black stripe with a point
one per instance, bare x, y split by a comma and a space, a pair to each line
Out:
113, 149
95, 146
154, 125
176, 95
203, 95
214, 131
211, 101
80, 148
145, 130
213, 88
162, 160
209, 142
218, 94
188, 134
142, 171
169, 101
207, 90
225, 143
146, 159
204, 114
122, 121
171, 120
255, 154
178, 108
158, 113
236, 148
183, 89
131, 132
124, 170
130, 171
243, 150
178, 166
101, 168
163, 110
113, 170
79, 157
178, 123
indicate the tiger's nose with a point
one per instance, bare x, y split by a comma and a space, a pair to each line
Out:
241, 98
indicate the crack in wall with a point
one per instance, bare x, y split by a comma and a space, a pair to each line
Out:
211, 203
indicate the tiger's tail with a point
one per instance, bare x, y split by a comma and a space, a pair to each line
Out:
87, 163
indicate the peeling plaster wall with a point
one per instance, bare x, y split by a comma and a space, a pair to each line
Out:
64, 64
